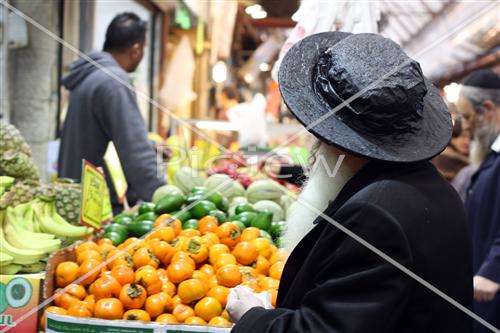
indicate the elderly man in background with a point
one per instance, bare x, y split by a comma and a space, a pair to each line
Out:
479, 104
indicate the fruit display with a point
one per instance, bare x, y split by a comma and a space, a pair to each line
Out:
171, 275
29, 232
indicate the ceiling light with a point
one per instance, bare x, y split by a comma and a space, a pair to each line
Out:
219, 72
253, 9
264, 67
248, 78
452, 92
259, 15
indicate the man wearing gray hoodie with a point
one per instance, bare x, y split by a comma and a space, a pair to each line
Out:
103, 109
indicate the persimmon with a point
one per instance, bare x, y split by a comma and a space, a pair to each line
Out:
79, 309
76, 291
164, 252
123, 274
215, 250
86, 246
219, 322
207, 269
195, 321
90, 300
85, 255
137, 314
263, 246
181, 255
66, 273
157, 304
245, 253
197, 251
208, 224
279, 255
276, 270
64, 300
182, 312
180, 243
133, 296
143, 257
166, 234
268, 283
274, 296
228, 233
249, 234
108, 308
224, 259
190, 233
229, 276
220, 293
53, 309
262, 265
106, 287
208, 308
191, 290
169, 288
167, 318
89, 269
179, 271
166, 220
209, 239
104, 241
150, 280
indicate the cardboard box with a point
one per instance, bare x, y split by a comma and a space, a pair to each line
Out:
69, 324
19, 300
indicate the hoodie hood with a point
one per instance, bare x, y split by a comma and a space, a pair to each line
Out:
81, 68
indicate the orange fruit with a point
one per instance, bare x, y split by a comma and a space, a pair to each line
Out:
219, 322
207, 308
108, 308
245, 253
66, 272
166, 318
137, 314
220, 293
179, 271
229, 276
53, 309
191, 290
182, 312
195, 321
276, 270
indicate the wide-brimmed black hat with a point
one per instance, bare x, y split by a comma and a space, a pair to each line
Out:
363, 94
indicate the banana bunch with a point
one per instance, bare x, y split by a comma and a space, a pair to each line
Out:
31, 231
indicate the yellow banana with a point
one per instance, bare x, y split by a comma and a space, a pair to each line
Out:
21, 256
5, 259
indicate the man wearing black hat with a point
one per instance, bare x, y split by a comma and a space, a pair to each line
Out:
479, 103
384, 191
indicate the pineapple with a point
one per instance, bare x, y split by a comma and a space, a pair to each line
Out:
11, 139
18, 193
67, 196
18, 165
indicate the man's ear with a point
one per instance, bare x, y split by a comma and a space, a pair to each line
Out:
489, 109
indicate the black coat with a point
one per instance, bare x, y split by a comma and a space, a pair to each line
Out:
331, 283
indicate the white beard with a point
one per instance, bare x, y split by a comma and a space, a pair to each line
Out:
322, 187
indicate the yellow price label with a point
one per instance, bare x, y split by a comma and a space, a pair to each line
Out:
116, 171
94, 195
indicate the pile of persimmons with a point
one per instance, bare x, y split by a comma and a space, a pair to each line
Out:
170, 276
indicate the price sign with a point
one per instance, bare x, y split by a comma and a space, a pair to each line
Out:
94, 196
116, 171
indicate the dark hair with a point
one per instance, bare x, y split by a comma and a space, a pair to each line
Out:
124, 31
232, 92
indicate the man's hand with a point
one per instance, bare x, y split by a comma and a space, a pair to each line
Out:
240, 300
484, 289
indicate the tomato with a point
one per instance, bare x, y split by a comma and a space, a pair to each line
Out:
64, 300
195, 321
267, 283
169, 288
250, 234
220, 322
190, 290
245, 253
207, 269
209, 239
279, 255
90, 300
53, 309
183, 256
207, 308
215, 250
82, 256
262, 265
166, 234
228, 233
208, 224
76, 291
263, 246
229, 276
197, 251
143, 257
179, 271
224, 259
167, 318
79, 309
133, 296
66, 272
182, 312
276, 270
164, 252
89, 269
220, 293
150, 280
108, 308
123, 274
157, 304
106, 287
166, 220
136, 314
86, 246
